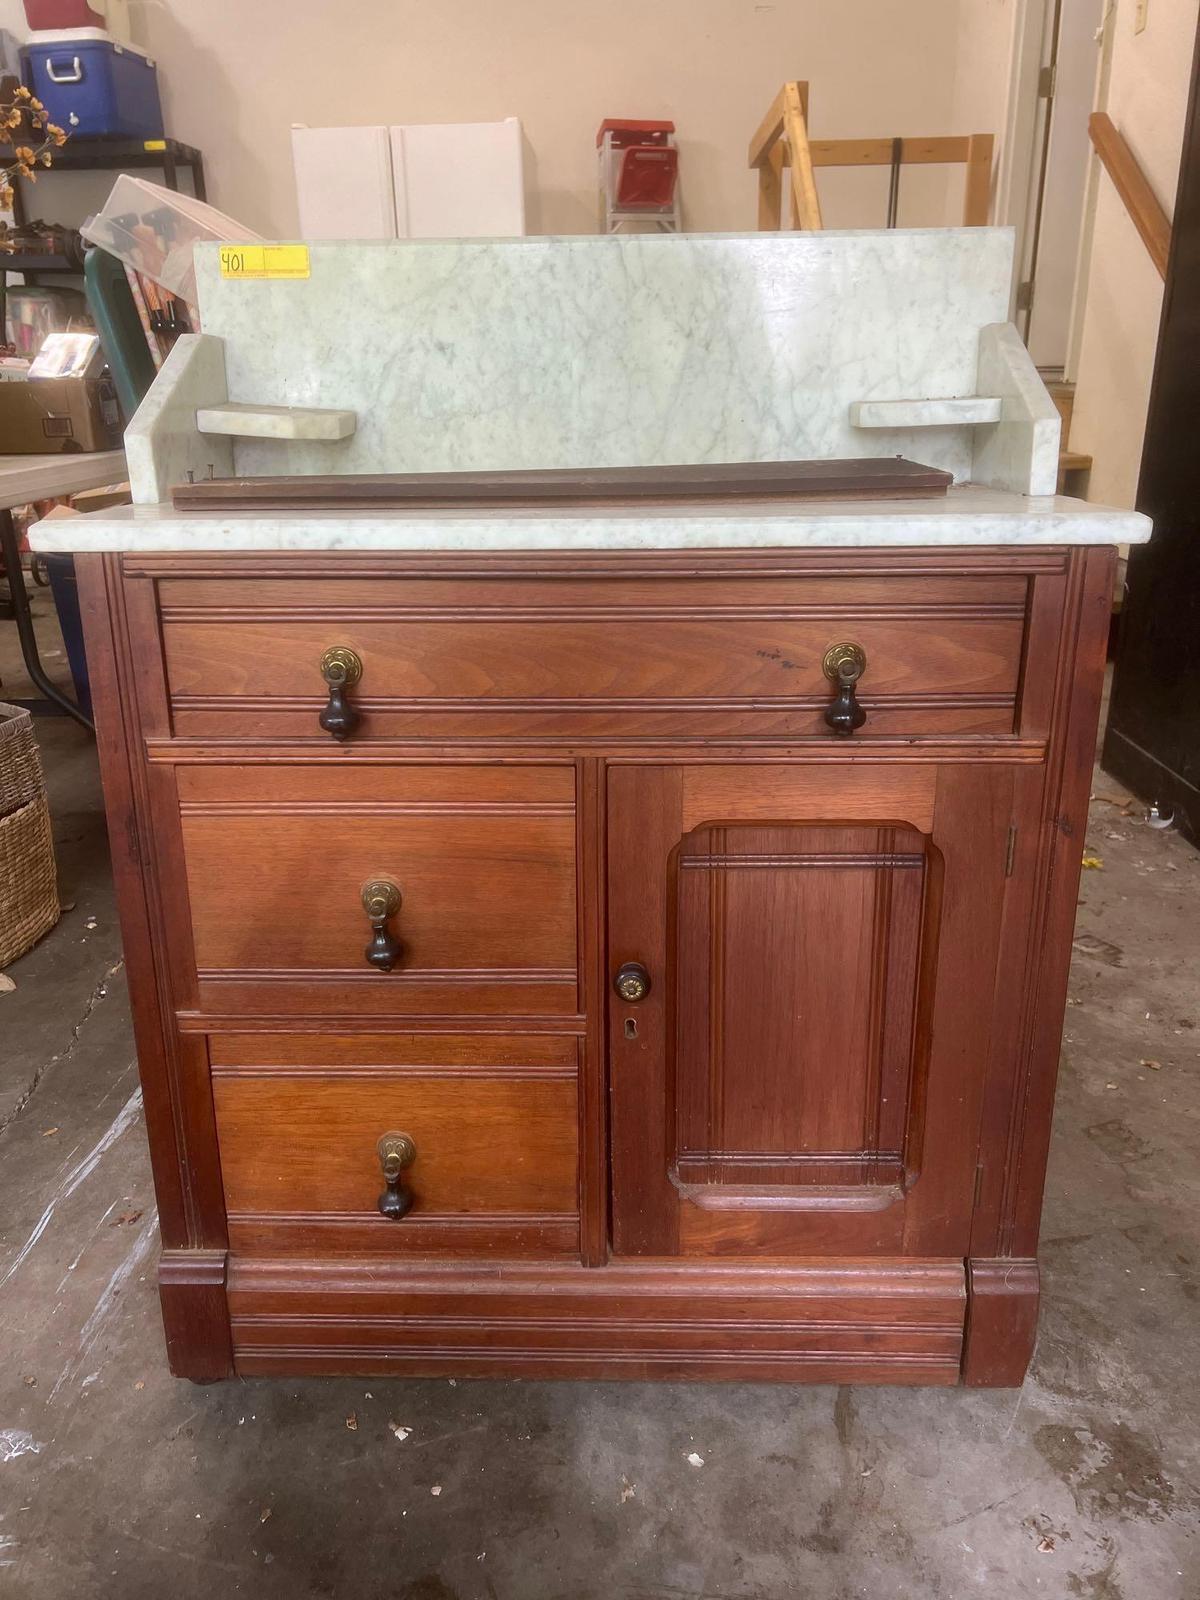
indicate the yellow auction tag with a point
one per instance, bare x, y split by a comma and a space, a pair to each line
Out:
154, 144
264, 261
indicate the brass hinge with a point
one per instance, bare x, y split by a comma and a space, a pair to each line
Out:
1025, 295
978, 1185
1010, 851
1047, 82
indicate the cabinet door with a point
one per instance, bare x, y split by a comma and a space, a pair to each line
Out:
803, 1075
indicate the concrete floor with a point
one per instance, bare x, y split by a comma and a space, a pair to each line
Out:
117, 1480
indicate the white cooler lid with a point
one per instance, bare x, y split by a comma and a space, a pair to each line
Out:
87, 36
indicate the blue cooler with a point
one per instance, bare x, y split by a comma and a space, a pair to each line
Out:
92, 86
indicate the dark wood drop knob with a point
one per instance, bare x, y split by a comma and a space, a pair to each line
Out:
844, 665
632, 982
381, 899
396, 1151
341, 668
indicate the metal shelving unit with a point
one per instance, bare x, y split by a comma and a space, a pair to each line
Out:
169, 156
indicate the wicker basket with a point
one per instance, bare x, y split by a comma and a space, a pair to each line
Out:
28, 885
20, 761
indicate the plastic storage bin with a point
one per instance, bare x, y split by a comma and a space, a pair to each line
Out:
153, 230
35, 311
60, 569
92, 86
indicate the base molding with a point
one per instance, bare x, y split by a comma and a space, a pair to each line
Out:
1002, 1314
881, 1321
195, 1313
815, 1322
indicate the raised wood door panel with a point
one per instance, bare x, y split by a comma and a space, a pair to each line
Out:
602, 657
799, 936
484, 858
804, 1075
494, 1121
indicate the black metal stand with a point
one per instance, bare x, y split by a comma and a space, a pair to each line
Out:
23, 617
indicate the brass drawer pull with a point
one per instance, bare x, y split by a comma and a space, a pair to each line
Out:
844, 665
381, 900
341, 668
396, 1151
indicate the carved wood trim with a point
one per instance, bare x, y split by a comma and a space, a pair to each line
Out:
195, 1314
178, 1102
732, 611
410, 977
683, 750
324, 1022
1061, 826
1001, 1325
897, 561
371, 808
490, 1235
852, 1196
592, 944
887, 1321
594, 704
422, 1070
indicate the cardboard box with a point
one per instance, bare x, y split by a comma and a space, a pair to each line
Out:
67, 403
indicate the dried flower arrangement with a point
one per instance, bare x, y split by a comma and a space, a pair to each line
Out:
24, 116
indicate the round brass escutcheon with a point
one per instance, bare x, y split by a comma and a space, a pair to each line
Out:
341, 666
632, 982
837, 653
381, 899
396, 1151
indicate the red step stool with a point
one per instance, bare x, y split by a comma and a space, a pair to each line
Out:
639, 174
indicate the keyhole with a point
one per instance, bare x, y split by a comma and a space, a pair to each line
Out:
630, 1028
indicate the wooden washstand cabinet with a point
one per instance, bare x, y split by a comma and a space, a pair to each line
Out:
601, 940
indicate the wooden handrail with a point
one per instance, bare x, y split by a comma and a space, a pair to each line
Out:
1131, 183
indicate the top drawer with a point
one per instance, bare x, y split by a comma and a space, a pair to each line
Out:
600, 657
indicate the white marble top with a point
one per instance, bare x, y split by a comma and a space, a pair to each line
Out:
26, 478
967, 515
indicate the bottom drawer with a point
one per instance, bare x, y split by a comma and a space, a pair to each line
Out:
491, 1166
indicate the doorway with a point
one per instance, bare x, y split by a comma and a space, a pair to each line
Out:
1070, 85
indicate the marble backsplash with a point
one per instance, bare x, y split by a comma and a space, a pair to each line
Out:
631, 350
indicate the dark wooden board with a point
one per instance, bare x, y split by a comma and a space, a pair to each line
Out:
874, 477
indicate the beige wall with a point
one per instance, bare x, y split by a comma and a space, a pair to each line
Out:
984, 41
237, 73
1147, 100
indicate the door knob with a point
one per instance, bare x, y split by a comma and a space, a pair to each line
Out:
396, 1151
632, 982
341, 668
844, 665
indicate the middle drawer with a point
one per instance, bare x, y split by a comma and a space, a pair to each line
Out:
481, 858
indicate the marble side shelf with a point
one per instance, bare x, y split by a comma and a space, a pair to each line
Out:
925, 413
967, 516
162, 443
1020, 450
239, 421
